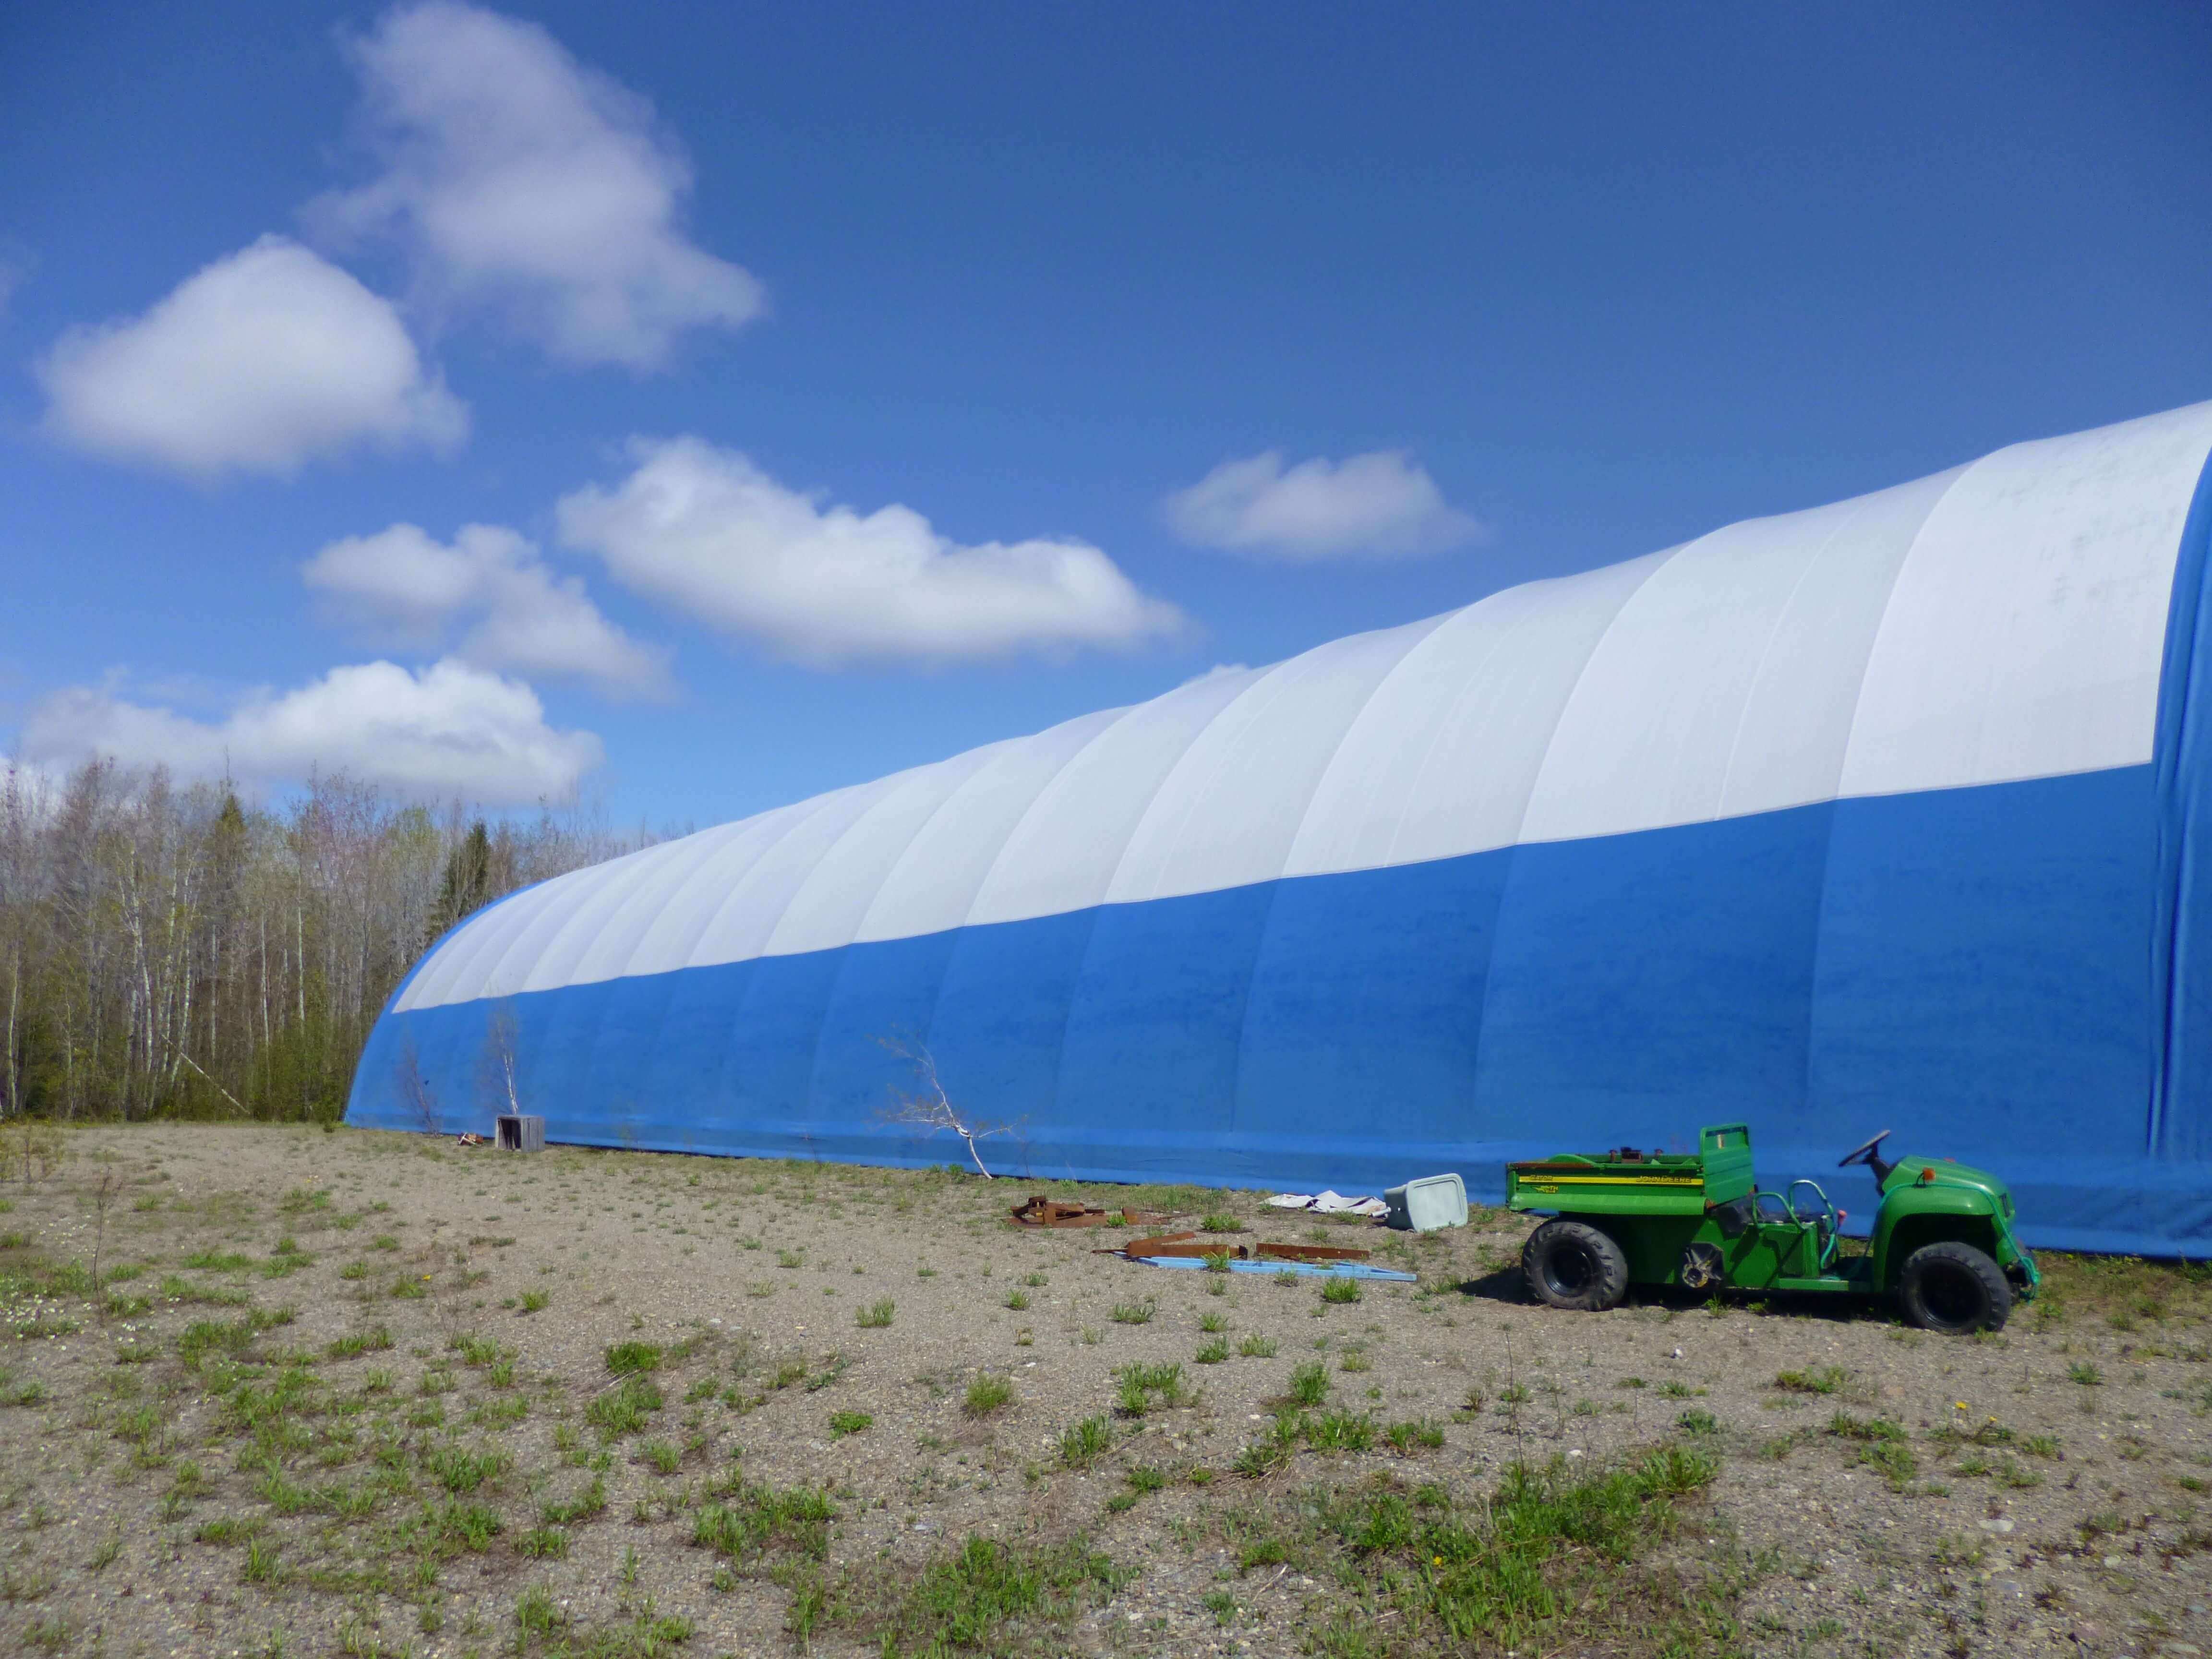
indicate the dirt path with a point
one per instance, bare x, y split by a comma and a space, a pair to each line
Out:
353, 1393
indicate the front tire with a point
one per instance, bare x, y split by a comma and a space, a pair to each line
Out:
1575, 1265
1954, 1288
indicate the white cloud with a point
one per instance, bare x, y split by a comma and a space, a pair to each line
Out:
519, 181
257, 363
449, 730
1377, 504
706, 531
411, 589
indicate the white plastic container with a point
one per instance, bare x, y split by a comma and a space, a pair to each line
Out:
1427, 1204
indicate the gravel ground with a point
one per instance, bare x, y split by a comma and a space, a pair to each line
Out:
2038, 1493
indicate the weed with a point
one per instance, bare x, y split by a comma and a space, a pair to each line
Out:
985, 1394
1826, 1379
632, 1358
660, 1456
542, 1543
844, 1422
1085, 1444
1221, 1224
2085, 1373
753, 1520
1310, 1384
625, 1409
1212, 1353
1133, 1313
1019, 1301
535, 1301
1407, 1438
1698, 1421
1257, 1347
1211, 1322
876, 1315
1339, 1289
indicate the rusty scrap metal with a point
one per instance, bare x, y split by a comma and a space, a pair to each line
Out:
1311, 1252
1038, 1210
1192, 1245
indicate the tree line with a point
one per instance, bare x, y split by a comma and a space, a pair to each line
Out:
173, 950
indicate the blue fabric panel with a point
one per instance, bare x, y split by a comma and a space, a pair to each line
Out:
2181, 1102
1347, 1022
1984, 964
1972, 968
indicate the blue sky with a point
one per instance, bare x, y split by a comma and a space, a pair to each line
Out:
835, 388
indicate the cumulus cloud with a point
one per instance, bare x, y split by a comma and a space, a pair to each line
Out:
259, 363
1379, 505
449, 730
517, 181
410, 589
705, 531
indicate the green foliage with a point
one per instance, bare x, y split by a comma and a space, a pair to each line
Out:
985, 1597
756, 1519
1086, 1442
624, 1410
1826, 1379
1337, 1289
1133, 1313
987, 1393
876, 1315
844, 1422
1257, 1347
1309, 1383
628, 1358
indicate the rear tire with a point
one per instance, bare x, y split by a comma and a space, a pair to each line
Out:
1954, 1288
1575, 1265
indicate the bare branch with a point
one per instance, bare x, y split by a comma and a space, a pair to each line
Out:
929, 1108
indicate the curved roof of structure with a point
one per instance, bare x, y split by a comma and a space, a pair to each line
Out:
2001, 621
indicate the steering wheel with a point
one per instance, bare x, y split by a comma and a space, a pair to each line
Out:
1862, 1154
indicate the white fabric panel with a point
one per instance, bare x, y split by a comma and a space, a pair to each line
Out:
934, 884
1796, 724
748, 916
1062, 855
2024, 634
2002, 621
615, 941
826, 911
1445, 755
1230, 810
1648, 736
670, 939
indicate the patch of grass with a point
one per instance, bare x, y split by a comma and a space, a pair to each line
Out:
1543, 1566
876, 1315
1018, 1301
1407, 1438
1340, 1290
1086, 1442
624, 1410
375, 1340
632, 1358
543, 1544
1212, 1353
987, 1597
1826, 1379
844, 1422
660, 1457
1257, 1347
535, 1301
987, 1393
755, 1519
461, 1471
591, 1501
1143, 1387
1133, 1313
1219, 1222
2085, 1372
1308, 1384
1340, 1432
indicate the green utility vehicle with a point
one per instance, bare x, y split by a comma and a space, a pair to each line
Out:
1943, 1242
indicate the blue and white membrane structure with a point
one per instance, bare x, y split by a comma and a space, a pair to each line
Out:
1891, 814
